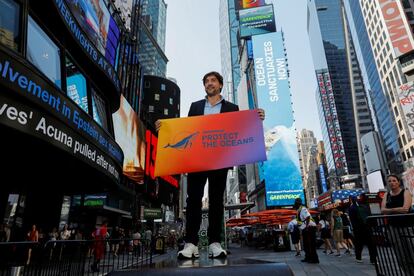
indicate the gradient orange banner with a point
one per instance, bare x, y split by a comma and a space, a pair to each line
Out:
209, 142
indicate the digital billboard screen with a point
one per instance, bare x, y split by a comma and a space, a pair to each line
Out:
281, 171
96, 21
130, 135
257, 21
245, 4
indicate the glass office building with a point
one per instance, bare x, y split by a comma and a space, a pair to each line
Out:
152, 38
384, 118
330, 46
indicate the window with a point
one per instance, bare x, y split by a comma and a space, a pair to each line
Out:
171, 101
162, 87
99, 110
157, 97
165, 111
9, 24
76, 85
43, 53
151, 108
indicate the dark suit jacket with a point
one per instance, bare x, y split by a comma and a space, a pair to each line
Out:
197, 108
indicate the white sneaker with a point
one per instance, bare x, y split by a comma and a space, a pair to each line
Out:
216, 251
189, 251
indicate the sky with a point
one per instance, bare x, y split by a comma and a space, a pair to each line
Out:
193, 49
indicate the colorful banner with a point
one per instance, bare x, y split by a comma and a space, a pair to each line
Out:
281, 171
210, 142
245, 4
257, 21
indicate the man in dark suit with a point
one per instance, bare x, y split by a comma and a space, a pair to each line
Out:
213, 103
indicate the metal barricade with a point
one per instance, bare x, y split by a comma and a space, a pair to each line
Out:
393, 236
72, 257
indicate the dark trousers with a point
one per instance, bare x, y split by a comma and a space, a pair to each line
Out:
309, 244
195, 191
362, 237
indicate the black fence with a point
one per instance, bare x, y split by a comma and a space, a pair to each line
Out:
73, 257
393, 236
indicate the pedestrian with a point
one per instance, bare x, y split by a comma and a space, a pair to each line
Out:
294, 231
115, 236
347, 230
242, 237
325, 230
65, 233
148, 240
33, 237
136, 243
99, 245
358, 215
308, 227
399, 201
337, 232
213, 103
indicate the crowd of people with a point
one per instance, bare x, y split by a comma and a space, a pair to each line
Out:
348, 229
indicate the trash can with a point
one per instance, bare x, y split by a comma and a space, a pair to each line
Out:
160, 245
280, 240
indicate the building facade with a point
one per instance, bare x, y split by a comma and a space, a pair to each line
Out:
152, 38
341, 95
394, 62
65, 82
381, 104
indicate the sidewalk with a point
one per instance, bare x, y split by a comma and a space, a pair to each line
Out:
329, 264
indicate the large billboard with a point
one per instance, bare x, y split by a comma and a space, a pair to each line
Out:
255, 21
245, 4
331, 118
397, 26
371, 147
375, 182
130, 135
281, 171
406, 98
408, 180
96, 21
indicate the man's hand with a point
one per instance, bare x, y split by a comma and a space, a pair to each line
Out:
261, 113
157, 125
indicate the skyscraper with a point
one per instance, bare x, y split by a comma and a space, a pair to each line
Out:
380, 102
152, 38
389, 28
229, 28
306, 140
341, 95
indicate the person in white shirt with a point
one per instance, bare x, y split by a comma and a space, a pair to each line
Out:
294, 231
308, 227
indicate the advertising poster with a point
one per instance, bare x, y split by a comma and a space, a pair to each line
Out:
281, 171
96, 21
246, 4
130, 135
209, 142
406, 98
257, 21
76, 87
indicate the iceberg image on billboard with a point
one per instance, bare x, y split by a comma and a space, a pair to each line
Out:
281, 172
